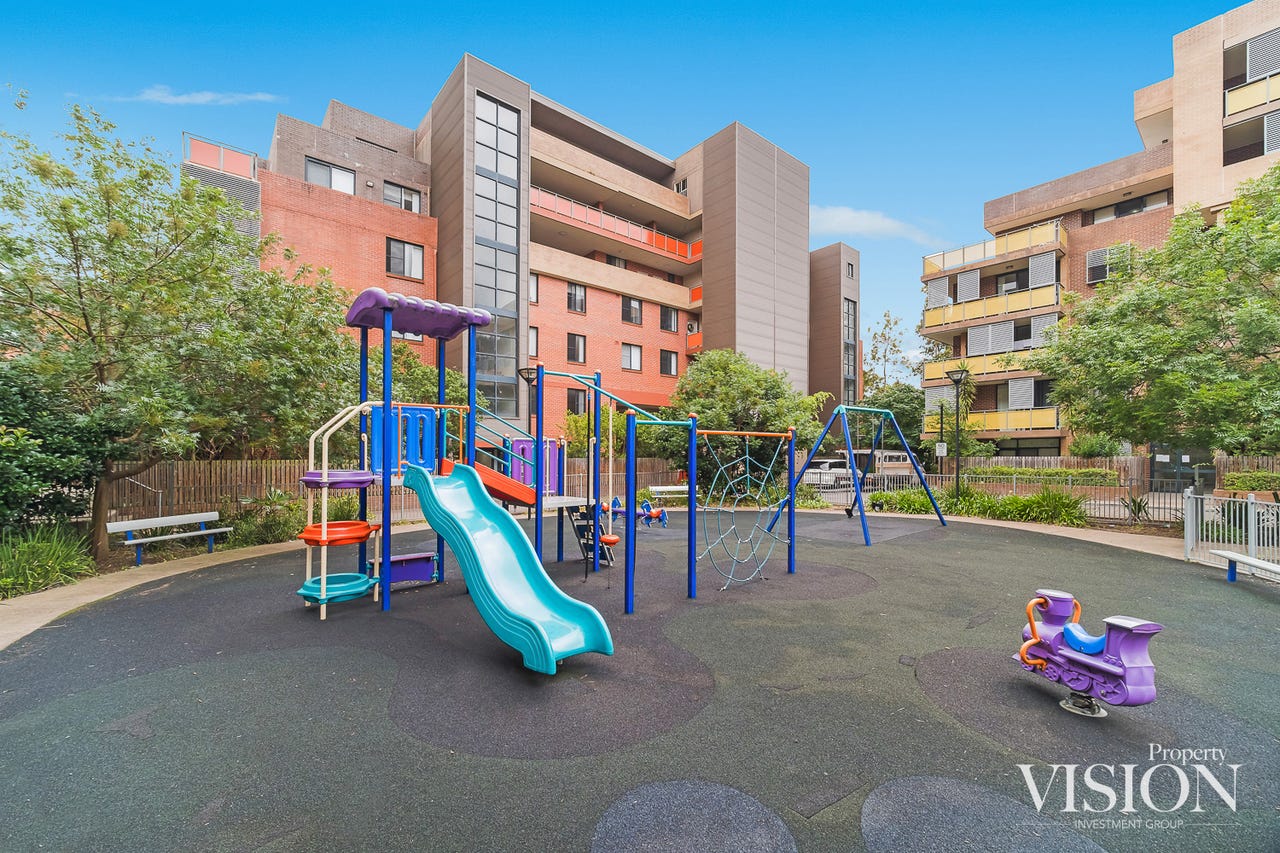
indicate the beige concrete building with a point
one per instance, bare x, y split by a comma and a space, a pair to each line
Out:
1213, 124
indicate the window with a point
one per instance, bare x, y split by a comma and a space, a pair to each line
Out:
1043, 390
496, 348
850, 321
533, 342
851, 392
495, 279
630, 357
576, 401
495, 215
849, 271
404, 259
577, 348
333, 177
1022, 331
1129, 207
670, 320
402, 197
533, 287
577, 298
1011, 281
1101, 263
632, 310
615, 261
668, 362
681, 186
497, 138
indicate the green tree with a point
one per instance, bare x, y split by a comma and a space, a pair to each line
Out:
138, 299
887, 353
1183, 345
907, 404
727, 391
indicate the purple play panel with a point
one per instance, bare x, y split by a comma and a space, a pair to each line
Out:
522, 464
413, 567
337, 479
411, 315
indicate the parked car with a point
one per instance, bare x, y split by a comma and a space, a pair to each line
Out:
827, 473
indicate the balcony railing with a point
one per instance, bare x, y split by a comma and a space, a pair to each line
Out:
991, 306
695, 295
1253, 94
215, 155
1014, 420
1000, 362
693, 342
575, 212
1043, 234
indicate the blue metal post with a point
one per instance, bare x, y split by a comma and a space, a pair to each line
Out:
442, 432
693, 505
388, 440
561, 457
630, 524
791, 502
916, 465
506, 457
595, 477
538, 440
857, 487
471, 395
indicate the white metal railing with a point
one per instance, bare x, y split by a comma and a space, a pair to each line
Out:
1247, 526
1043, 233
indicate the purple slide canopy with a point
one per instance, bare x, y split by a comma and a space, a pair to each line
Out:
414, 316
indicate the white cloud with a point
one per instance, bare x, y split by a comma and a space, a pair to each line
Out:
842, 220
160, 94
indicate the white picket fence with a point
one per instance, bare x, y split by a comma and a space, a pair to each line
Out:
1247, 526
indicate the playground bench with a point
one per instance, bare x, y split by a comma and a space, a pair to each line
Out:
1253, 565
167, 522
660, 492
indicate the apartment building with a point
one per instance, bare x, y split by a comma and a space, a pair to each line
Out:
1214, 123
594, 253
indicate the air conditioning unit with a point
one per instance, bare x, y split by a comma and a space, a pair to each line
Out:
692, 327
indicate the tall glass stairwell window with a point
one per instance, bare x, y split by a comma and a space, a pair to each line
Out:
497, 251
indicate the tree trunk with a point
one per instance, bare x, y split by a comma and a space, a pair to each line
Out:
98, 544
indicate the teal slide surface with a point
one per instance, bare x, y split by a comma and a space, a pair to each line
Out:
516, 598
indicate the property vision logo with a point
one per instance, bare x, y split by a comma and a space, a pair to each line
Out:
1124, 796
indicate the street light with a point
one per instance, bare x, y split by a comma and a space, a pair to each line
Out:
957, 377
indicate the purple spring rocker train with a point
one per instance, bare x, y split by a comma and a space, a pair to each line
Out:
1114, 667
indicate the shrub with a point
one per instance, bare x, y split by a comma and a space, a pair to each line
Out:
1252, 481
40, 558
1077, 476
808, 497
911, 501
1092, 446
1050, 506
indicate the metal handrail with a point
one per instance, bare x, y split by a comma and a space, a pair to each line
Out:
651, 237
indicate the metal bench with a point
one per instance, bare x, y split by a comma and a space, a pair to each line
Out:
660, 492
167, 522
1253, 566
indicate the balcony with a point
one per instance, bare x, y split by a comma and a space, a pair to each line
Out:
1044, 234
1014, 420
223, 158
695, 296
1250, 95
693, 343
991, 306
978, 365
572, 212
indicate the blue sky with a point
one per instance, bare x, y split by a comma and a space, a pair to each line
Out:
909, 117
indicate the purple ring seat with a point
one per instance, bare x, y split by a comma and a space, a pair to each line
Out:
337, 479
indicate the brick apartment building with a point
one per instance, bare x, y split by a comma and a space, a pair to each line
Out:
1214, 123
592, 252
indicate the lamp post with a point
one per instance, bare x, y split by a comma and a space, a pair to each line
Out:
957, 377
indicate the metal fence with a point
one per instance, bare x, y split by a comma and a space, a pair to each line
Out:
1126, 501
1244, 525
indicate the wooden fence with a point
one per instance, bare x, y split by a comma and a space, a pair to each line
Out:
175, 488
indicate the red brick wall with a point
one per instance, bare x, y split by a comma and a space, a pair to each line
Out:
348, 235
605, 333
1144, 230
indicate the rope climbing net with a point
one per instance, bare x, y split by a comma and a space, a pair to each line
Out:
743, 505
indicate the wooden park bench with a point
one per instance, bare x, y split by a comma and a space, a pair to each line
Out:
167, 522
1253, 565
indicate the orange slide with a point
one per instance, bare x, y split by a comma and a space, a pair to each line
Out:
502, 487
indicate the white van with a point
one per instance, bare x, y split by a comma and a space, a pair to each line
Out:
827, 472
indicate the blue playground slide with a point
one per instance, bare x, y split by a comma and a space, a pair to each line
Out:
520, 604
